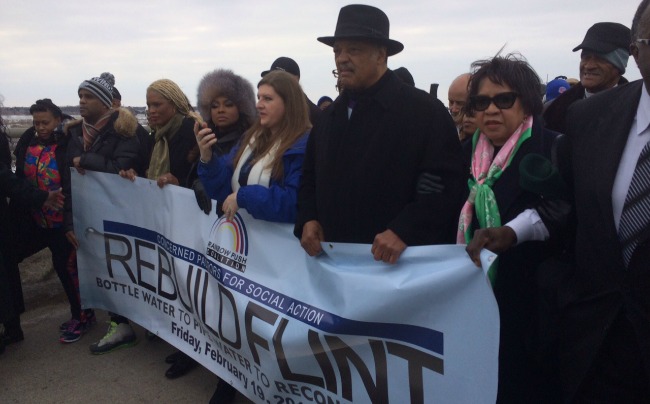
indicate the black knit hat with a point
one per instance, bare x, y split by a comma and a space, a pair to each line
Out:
358, 21
605, 37
285, 64
116, 94
101, 87
404, 75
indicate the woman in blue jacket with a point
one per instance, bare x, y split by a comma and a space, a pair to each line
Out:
262, 173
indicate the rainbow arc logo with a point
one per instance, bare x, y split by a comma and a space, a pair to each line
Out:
228, 243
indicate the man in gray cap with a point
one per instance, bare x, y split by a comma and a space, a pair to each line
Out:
605, 51
383, 164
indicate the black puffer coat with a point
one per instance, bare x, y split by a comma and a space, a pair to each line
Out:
115, 148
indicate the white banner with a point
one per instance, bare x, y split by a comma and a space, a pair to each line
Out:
243, 299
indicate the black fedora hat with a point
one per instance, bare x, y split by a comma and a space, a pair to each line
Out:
358, 21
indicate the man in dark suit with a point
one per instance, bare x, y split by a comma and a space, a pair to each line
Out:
604, 299
605, 324
383, 164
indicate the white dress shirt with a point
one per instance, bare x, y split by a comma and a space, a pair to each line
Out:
636, 140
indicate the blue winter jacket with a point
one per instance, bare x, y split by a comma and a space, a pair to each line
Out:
277, 203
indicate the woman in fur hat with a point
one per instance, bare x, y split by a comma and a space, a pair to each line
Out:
227, 103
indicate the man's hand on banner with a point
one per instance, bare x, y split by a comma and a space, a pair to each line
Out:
76, 162
129, 174
202, 198
495, 239
312, 236
387, 247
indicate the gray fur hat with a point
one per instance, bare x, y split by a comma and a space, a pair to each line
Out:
222, 82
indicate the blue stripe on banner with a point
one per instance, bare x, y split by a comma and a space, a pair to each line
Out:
426, 338
176, 250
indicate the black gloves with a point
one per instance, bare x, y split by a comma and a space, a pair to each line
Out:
202, 198
429, 184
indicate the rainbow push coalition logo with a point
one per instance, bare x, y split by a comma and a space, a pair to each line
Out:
228, 242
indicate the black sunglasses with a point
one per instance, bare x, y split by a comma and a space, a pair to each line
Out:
502, 101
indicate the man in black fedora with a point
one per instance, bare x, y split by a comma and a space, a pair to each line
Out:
383, 164
289, 65
603, 59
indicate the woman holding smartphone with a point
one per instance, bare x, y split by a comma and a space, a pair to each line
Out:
261, 174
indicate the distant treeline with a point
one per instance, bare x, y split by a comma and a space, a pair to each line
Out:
70, 110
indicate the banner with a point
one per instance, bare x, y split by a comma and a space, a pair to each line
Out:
242, 298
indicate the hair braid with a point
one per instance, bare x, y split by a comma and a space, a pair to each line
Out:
172, 92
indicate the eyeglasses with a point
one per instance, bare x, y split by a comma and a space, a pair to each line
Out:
646, 42
502, 101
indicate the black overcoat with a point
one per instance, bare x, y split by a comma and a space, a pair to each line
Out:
115, 148
360, 173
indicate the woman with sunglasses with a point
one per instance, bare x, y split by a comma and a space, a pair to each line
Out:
505, 100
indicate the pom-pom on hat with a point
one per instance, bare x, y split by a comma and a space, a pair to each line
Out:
101, 87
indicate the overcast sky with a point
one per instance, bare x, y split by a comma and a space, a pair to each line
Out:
48, 48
